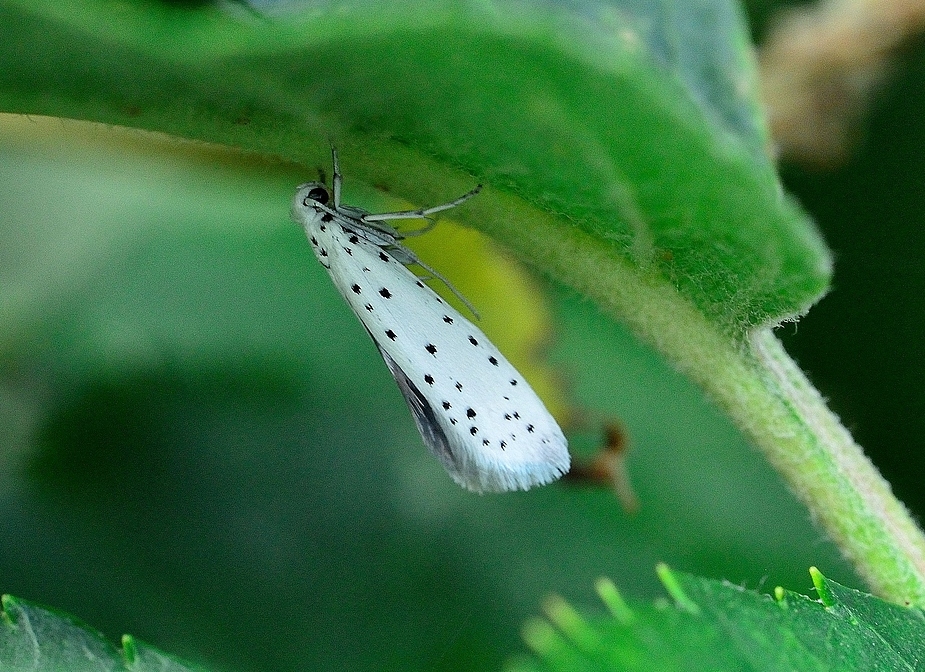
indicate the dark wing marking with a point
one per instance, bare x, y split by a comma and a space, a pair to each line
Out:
423, 413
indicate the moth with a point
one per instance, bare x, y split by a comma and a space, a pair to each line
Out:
474, 411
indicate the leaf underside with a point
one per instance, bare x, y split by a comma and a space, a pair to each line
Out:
633, 123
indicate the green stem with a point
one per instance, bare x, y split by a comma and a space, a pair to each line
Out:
846, 494
757, 385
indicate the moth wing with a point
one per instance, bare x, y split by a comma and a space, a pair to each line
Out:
474, 411
423, 413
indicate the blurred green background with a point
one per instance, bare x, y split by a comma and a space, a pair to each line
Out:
203, 448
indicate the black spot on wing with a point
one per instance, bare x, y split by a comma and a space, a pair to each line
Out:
448, 319
385, 293
431, 348
493, 360
473, 341
326, 217
424, 417
356, 288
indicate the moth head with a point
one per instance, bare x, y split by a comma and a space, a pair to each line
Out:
306, 200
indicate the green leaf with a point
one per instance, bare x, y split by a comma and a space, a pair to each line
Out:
720, 626
623, 150
714, 626
36, 639
631, 127
211, 428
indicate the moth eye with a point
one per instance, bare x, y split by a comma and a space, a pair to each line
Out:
317, 194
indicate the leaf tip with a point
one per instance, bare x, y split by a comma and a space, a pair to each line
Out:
613, 600
780, 596
541, 636
565, 617
673, 586
822, 589
129, 649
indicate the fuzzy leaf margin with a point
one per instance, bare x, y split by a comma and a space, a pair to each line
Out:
37, 639
715, 625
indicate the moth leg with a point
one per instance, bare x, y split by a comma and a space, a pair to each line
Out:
431, 223
412, 258
422, 213
338, 178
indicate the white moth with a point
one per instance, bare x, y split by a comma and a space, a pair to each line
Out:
475, 412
